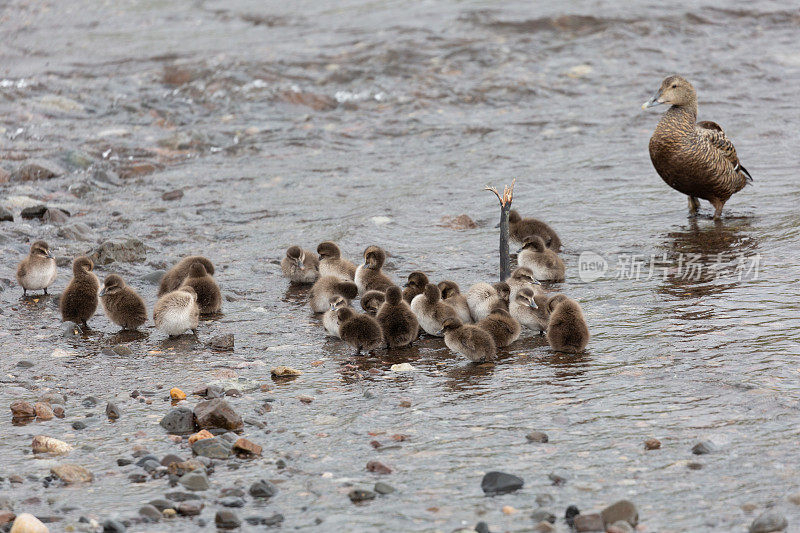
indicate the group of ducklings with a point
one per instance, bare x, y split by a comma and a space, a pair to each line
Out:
475, 324
185, 292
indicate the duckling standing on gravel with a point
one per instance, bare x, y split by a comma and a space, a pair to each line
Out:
503, 328
369, 276
470, 341
451, 295
416, 284
175, 275
209, 298
177, 311
431, 311
38, 270
122, 305
398, 322
361, 332
300, 266
79, 300
330, 320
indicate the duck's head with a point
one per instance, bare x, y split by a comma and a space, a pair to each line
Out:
41, 248
417, 279
344, 314
372, 300
674, 90
432, 293
450, 324
82, 264
523, 275
553, 302
190, 291
513, 216
374, 257
533, 242
328, 250
394, 295
336, 302
295, 254
503, 290
112, 285
197, 270
449, 288
525, 297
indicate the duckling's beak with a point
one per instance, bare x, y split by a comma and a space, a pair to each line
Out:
533, 305
536, 282
407, 284
654, 101
520, 250
440, 332
50, 254
103, 292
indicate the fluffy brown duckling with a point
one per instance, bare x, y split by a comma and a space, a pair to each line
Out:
122, 305
431, 311
470, 341
542, 261
175, 276
331, 262
451, 295
696, 159
209, 298
177, 311
371, 301
38, 270
300, 266
328, 287
482, 298
566, 330
503, 328
416, 284
330, 320
520, 278
360, 331
79, 300
519, 228
369, 276
398, 322
530, 309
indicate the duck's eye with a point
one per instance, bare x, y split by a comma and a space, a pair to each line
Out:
674, 85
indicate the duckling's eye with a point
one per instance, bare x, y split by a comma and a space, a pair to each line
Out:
674, 85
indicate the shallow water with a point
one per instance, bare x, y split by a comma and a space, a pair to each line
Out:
414, 108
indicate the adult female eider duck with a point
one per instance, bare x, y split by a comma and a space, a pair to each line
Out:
696, 159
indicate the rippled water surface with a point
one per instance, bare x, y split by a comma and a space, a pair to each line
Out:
366, 123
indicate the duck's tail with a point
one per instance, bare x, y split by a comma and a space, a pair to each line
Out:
740, 168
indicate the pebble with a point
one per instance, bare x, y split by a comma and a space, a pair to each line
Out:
768, 522
402, 367
169, 459
150, 513
53, 215
702, 448
217, 413
621, 510
70, 329
508, 510
27, 523
71, 473
694, 466
541, 515
383, 488
570, 514
36, 211
45, 444
482, 527
113, 526
189, 508
305, 399
225, 519
24, 364
178, 421
262, 489
89, 401
137, 478
231, 501
222, 342
37, 169
589, 522
169, 513
500, 483
284, 371
53, 398
556, 479
177, 394
544, 499
161, 504
620, 527
246, 447
652, 444
537, 436
6, 215
182, 496
112, 411
78, 425
130, 250
200, 435
212, 448
544, 527
177, 194
378, 467
6, 517
360, 495
22, 409
194, 480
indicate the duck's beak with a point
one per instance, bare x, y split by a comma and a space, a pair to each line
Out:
536, 282
533, 305
520, 250
103, 292
50, 254
440, 332
654, 101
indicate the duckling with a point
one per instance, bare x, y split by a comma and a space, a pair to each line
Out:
362, 332
175, 276
38, 270
519, 228
330, 320
79, 300
300, 266
122, 305
371, 301
542, 261
530, 309
504, 292
209, 298
468, 340
177, 311
398, 322
431, 311
566, 330
369, 276
416, 284
520, 278
695, 159
503, 328
482, 298
451, 295
327, 287
332, 264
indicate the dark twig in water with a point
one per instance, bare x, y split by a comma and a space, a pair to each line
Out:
505, 207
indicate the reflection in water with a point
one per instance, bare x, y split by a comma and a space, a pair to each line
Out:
468, 376
127, 335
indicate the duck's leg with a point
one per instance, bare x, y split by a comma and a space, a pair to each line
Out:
718, 205
45, 290
694, 206
24, 292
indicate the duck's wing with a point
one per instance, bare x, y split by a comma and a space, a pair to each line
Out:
712, 133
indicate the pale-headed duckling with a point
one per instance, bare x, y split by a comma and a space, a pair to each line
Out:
482, 298
300, 266
369, 276
542, 261
503, 328
530, 309
416, 284
360, 331
371, 301
519, 228
209, 298
470, 341
175, 275
431, 311
79, 300
327, 287
177, 311
330, 320
38, 270
520, 278
331, 262
566, 330
122, 305
398, 322
451, 295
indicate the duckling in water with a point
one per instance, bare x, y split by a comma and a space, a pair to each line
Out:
482, 298
519, 228
300, 266
566, 330
177, 311
38, 270
123, 305
542, 261
416, 284
362, 332
398, 322
328, 287
79, 300
332, 264
209, 298
371, 301
175, 276
431, 311
470, 341
369, 276
521, 278
695, 159
451, 295
330, 320
503, 328
530, 309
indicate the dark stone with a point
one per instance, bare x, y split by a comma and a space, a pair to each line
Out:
232, 491
142, 459
189, 508
129, 250
231, 501
217, 413
6, 215
621, 510
768, 522
500, 483
89, 401
210, 392
162, 504
177, 194
149, 512
182, 496
233, 393
195, 480
24, 364
137, 478
652, 444
262, 489
150, 466
212, 448
570, 514
53, 215
225, 519
222, 342
113, 526
702, 448
378, 467
124, 461
482, 527
112, 411
537, 436
589, 522
179, 421
540, 515
37, 169
360, 495
36, 211
383, 488
169, 459
78, 425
